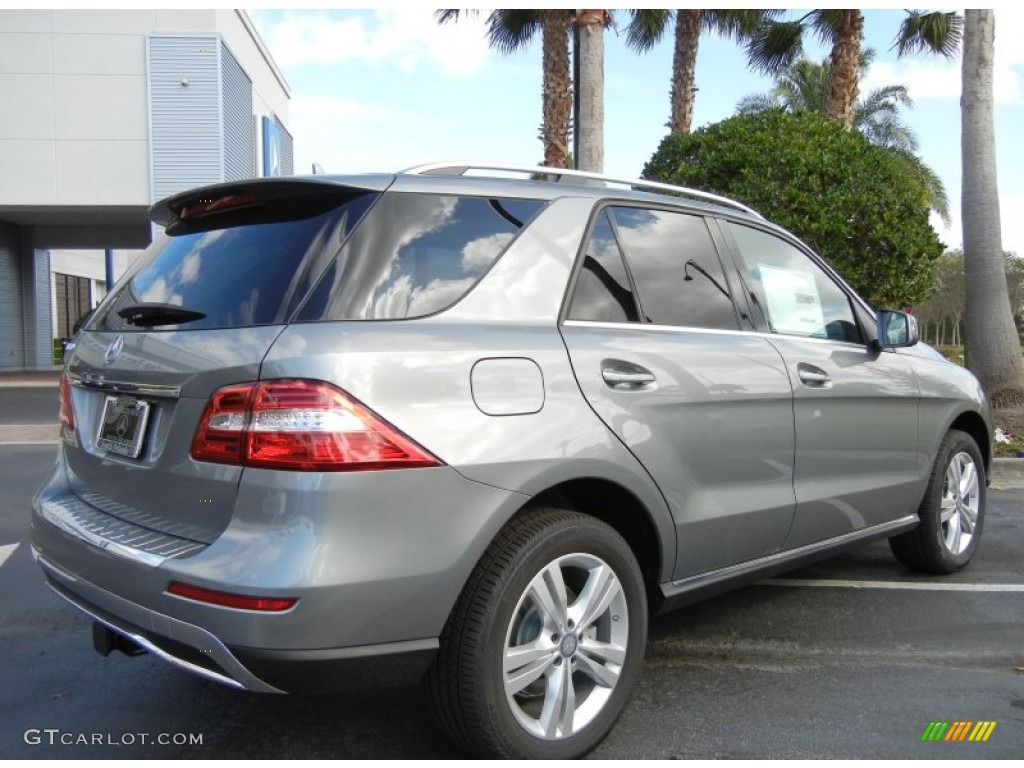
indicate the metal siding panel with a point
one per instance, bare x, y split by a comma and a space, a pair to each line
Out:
287, 149
12, 356
237, 94
185, 119
43, 318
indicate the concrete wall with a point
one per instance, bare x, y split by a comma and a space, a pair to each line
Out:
73, 112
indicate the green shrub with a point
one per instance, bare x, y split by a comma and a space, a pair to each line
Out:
851, 201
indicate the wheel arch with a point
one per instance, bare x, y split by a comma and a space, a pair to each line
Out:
619, 508
974, 425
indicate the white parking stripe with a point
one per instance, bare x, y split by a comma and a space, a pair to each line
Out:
921, 586
6, 551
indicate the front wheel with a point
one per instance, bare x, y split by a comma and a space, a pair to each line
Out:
547, 641
952, 512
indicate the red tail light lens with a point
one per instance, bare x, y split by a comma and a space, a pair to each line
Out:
300, 425
231, 600
67, 412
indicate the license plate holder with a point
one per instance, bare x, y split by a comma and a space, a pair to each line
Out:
123, 425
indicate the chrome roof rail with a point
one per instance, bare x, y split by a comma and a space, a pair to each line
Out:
460, 168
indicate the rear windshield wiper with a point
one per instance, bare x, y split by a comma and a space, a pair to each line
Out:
151, 314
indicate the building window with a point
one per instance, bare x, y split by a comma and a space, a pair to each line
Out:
73, 301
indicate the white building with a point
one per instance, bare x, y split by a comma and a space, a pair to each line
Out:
101, 114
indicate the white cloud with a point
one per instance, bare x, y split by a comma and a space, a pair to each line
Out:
407, 39
477, 255
931, 77
1011, 225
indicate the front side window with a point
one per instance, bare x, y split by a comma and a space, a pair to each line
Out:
673, 260
797, 296
416, 254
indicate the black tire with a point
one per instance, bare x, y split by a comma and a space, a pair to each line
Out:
497, 612
934, 546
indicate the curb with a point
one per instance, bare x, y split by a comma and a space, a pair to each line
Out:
1007, 473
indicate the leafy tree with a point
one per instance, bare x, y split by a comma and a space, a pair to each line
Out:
647, 27
848, 199
777, 44
993, 348
804, 85
941, 316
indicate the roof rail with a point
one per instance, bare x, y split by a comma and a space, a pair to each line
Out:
459, 168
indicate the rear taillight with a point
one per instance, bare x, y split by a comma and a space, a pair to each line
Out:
67, 413
300, 425
230, 599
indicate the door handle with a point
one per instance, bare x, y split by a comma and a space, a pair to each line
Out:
812, 375
622, 375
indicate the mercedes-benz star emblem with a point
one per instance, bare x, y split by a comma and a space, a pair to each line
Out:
114, 350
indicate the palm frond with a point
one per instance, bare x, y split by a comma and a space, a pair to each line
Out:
646, 28
932, 32
738, 23
755, 102
774, 45
825, 22
509, 30
445, 15
932, 189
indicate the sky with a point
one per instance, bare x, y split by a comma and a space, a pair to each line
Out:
386, 89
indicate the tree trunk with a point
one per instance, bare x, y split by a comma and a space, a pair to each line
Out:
557, 89
993, 350
591, 85
845, 63
684, 69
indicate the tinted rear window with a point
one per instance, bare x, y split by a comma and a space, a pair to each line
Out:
254, 274
416, 254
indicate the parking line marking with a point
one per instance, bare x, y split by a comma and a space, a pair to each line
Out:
6, 551
921, 586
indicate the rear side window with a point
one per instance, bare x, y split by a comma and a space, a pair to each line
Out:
416, 254
256, 273
675, 265
603, 293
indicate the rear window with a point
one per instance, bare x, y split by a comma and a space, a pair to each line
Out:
256, 273
416, 254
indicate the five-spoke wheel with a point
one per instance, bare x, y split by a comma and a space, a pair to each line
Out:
952, 512
546, 643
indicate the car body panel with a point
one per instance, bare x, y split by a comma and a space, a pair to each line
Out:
715, 431
856, 434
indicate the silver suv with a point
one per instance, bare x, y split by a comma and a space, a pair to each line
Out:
477, 428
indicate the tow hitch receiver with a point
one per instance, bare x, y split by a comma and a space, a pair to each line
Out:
105, 640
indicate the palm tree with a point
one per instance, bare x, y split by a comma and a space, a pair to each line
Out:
647, 27
804, 85
777, 44
993, 348
591, 25
510, 30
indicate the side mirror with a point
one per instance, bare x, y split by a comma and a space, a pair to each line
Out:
896, 329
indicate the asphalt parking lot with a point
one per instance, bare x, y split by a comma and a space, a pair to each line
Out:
851, 658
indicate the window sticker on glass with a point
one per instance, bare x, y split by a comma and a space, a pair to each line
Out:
793, 301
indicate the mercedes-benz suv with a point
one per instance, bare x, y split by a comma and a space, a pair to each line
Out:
479, 428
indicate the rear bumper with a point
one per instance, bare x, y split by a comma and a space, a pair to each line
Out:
200, 652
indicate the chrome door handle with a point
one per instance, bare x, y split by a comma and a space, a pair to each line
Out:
812, 375
623, 375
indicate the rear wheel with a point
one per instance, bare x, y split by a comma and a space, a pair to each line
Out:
952, 512
547, 641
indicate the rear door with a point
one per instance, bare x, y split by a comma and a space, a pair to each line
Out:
659, 351
855, 406
198, 310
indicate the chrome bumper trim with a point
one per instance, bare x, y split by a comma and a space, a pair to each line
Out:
135, 616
